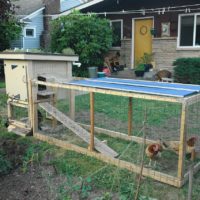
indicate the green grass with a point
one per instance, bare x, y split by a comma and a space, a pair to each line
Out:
2, 84
116, 107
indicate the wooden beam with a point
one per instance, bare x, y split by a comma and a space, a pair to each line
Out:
182, 144
54, 121
186, 176
164, 178
119, 135
111, 92
130, 117
72, 104
91, 146
17, 104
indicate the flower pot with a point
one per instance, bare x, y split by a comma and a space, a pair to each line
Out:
139, 73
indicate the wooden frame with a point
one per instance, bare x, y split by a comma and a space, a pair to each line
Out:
177, 181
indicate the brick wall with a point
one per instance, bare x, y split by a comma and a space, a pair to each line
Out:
165, 52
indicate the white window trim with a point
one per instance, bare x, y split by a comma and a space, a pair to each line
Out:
30, 27
194, 47
122, 30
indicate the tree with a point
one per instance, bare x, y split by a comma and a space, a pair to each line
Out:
88, 35
10, 28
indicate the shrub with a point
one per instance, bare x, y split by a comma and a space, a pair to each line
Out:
187, 70
89, 36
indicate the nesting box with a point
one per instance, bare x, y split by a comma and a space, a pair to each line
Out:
22, 67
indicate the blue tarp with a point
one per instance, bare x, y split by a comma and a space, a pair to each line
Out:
138, 86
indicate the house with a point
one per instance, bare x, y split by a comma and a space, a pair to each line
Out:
35, 17
30, 14
169, 29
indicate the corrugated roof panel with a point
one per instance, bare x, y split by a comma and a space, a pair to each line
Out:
143, 87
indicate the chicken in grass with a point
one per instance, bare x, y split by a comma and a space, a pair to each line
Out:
153, 151
190, 146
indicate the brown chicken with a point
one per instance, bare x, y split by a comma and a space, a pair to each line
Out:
190, 146
152, 151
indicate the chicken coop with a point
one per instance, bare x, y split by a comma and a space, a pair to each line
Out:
19, 69
118, 121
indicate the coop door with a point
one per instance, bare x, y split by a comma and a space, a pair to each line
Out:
16, 83
142, 38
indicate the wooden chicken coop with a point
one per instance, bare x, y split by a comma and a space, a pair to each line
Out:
172, 117
20, 68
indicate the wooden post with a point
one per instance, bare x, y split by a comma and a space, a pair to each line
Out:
130, 110
182, 144
33, 108
54, 121
91, 146
9, 110
72, 104
191, 172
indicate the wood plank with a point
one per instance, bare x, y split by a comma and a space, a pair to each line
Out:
130, 116
91, 147
119, 135
182, 145
19, 131
112, 92
17, 104
164, 178
78, 130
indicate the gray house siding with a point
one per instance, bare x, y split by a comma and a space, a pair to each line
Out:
31, 42
38, 25
17, 43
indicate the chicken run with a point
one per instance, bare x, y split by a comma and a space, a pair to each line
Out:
116, 121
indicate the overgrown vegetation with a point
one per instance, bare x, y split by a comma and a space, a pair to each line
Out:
10, 28
187, 70
2, 84
89, 36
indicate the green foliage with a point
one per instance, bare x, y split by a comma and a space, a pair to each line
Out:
2, 84
89, 36
68, 51
187, 70
10, 28
147, 58
5, 165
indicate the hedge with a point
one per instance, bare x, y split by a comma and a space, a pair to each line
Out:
187, 70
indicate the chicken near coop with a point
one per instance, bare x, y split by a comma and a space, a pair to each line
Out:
190, 146
153, 151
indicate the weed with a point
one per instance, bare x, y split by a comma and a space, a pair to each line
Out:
5, 165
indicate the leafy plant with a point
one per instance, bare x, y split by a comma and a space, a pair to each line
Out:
5, 165
187, 70
147, 58
10, 28
68, 51
89, 36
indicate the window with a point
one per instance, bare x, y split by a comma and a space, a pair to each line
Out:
117, 27
189, 30
29, 32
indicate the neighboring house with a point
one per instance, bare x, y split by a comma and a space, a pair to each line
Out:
169, 29
30, 14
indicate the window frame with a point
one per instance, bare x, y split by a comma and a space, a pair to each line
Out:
122, 31
34, 32
193, 47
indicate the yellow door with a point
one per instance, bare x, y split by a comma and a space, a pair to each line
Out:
143, 38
